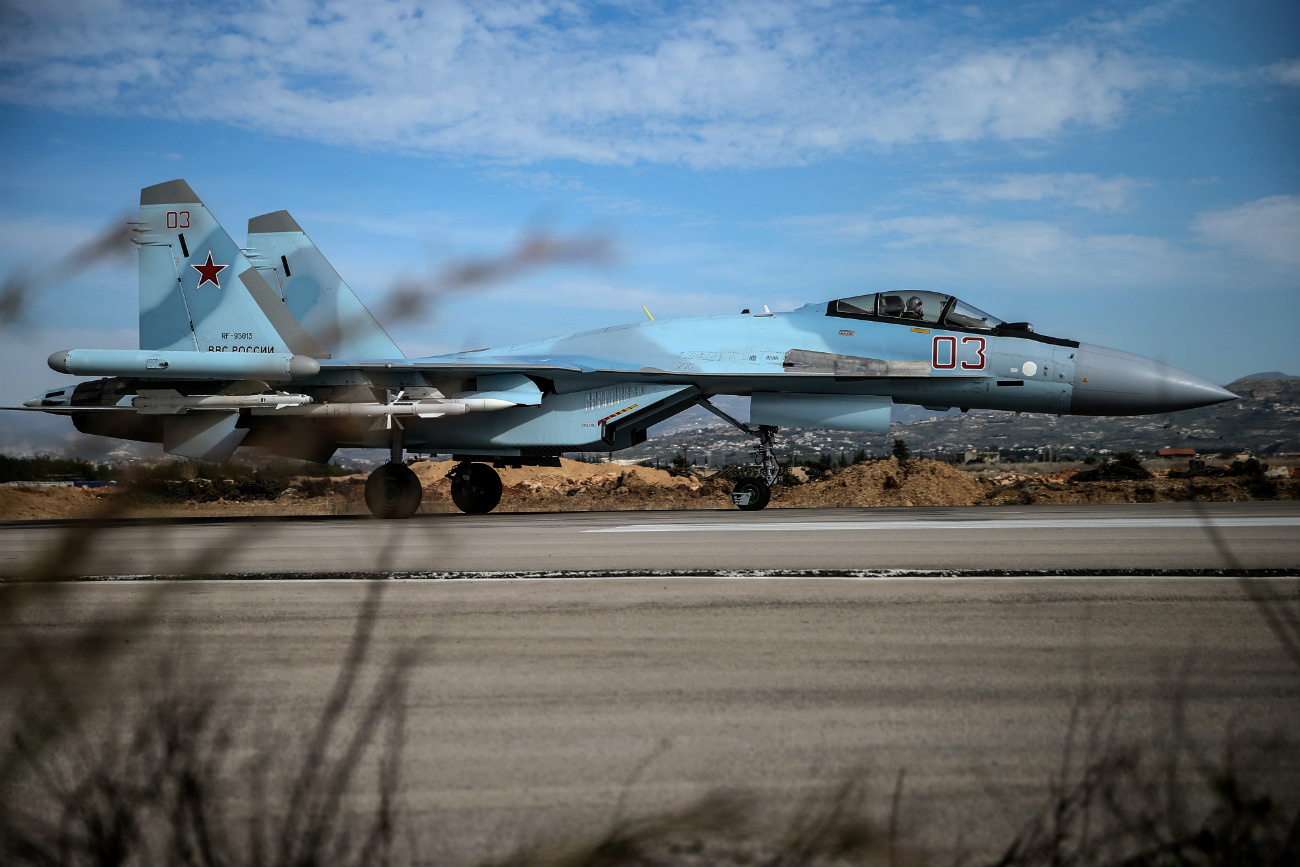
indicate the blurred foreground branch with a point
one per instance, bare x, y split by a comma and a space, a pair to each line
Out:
416, 297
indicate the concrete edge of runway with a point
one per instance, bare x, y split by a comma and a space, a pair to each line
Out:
824, 574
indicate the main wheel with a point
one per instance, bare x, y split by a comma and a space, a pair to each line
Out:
475, 488
393, 491
751, 494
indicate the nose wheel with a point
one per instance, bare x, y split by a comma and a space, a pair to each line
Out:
393, 491
751, 494
475, 488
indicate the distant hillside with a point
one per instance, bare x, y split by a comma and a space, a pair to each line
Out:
1272, 374
1265, 421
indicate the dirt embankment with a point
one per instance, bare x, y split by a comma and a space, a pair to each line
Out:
1164, 487
885, 483
580, 487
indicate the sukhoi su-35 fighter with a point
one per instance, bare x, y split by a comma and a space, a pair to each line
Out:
267, 347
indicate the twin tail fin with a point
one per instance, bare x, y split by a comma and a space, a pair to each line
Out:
198, 291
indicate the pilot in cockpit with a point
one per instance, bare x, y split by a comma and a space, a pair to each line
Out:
913, 310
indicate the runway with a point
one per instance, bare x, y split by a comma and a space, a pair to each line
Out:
1155, 538
579, 668
542, 709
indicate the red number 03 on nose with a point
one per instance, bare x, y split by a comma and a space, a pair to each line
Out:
944, 354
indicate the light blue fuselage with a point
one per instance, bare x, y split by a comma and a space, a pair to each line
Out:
652, 370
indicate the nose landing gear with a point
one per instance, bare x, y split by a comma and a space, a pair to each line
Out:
752, 493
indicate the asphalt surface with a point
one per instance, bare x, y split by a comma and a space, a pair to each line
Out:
545, 707
1156, 537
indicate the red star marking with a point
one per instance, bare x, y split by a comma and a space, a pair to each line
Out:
208, 272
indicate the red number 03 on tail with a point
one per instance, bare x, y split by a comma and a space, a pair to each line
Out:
944, 354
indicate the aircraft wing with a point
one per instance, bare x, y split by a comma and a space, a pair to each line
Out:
468, 366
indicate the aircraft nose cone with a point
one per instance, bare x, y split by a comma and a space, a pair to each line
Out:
1112, 382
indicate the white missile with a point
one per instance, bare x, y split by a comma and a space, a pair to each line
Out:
171, 402
432, 408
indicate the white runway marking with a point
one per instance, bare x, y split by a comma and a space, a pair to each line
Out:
992, 524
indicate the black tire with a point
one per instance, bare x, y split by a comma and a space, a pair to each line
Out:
760, 494
393, 491
475, 488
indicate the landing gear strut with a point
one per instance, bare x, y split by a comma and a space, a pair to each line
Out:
393, 489
475, 488
752, 493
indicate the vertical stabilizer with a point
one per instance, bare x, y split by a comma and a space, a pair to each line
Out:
198, 291
313, 291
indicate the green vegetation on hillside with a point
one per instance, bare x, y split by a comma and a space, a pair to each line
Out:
44, 468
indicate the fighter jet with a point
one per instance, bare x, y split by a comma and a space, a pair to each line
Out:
267, 347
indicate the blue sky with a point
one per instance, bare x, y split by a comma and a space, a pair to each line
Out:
1125, 174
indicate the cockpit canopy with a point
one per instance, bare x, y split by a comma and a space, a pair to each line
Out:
931, 307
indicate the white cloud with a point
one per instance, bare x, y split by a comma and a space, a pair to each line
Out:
1130, 22
1264, 229
731, 85
1087, 191
946, 250
1015, 93
1285, 72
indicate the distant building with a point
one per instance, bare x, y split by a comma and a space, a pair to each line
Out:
972, 456
1175, 453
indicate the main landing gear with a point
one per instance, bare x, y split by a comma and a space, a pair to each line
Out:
475, 488
752, 493
393, 491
